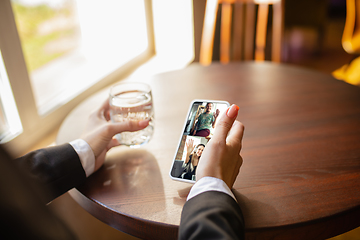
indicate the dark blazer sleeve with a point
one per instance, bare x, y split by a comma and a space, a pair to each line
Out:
211, 215
24, 214
57, 168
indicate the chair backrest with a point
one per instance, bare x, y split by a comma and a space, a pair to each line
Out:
239, 36
351, 35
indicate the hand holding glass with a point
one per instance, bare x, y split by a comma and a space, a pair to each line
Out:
132, 101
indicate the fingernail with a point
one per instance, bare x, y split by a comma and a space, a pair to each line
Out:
232, 111
143, 123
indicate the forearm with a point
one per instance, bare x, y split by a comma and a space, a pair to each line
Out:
187, 157
211, 210
212, 215
214, 122
57, 168
196, 126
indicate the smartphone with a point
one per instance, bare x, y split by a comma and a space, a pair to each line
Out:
196, 133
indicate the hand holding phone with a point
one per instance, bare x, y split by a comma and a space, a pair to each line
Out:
198, 129
222, 156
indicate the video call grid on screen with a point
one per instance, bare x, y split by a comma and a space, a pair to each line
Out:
198, 130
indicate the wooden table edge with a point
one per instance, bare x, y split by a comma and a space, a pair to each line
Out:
132, 225
146, 229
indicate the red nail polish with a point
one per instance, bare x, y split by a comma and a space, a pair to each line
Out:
232, 111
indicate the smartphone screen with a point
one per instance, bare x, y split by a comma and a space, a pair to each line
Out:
196, 133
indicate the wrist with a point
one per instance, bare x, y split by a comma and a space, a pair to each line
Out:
208, 183
86, 155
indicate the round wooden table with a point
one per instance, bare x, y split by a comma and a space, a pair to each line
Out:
301, 149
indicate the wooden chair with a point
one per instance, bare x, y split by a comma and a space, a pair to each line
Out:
241, 32
351, 35
351, 43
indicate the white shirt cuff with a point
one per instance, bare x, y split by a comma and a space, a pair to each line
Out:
86, 155
209, 184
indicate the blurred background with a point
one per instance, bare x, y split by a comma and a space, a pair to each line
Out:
56, 53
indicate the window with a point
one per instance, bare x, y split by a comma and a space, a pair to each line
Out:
67, 48
10, 124
80, 54
111, 41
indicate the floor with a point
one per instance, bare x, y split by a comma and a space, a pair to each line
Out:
331, 57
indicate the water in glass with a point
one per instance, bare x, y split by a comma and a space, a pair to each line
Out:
134, 105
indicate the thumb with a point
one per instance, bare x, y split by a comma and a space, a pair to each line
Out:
225, 123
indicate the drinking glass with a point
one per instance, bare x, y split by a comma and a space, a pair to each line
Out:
132, 101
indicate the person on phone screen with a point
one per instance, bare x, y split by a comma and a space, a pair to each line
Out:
206, 121
192, 158
29, 182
